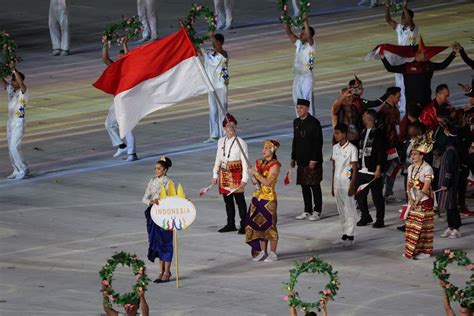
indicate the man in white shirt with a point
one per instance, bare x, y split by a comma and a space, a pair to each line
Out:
231, 173
148, 16
17, 99
407, 34
216, 66
344, 179
59, 27
224, 11
303, 64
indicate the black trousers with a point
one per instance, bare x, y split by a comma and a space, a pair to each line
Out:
230, 208
310, 193
462, 185
377, 196
454, 219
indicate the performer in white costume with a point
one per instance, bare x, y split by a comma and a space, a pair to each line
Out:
304, 64
344, 179
216, 65
407, 33
111, 124
17, 99
147, 13
224, 9
59, 27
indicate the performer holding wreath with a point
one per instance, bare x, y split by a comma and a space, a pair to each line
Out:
420, 221
230, 171
262, 216
160, 240
304, 63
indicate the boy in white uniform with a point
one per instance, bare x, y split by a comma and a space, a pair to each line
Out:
147, 15
216, 65
17, 99
111, 124
344, 179
407, 33
59, 27
304, 64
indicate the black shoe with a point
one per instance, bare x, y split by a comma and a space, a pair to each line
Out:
227, 229
241, 231
378, 225
364, 221
401, 228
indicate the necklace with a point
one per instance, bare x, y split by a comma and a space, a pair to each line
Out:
415, 176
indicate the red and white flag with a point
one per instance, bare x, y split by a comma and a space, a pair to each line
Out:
203, 191
287, 179
152, 77
392, 154
363, 186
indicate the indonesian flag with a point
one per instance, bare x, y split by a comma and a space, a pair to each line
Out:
363, 186
392, 154
152, 77
397, 55
287, 179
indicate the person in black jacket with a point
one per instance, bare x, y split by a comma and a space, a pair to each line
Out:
372, 158
307, 154
417, 75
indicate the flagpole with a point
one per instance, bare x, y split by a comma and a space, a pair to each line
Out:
176, 252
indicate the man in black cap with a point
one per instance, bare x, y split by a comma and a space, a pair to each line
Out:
307, 154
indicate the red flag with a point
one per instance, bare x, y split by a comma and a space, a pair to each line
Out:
286, 181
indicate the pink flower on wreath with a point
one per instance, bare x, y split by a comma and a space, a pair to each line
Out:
140, 289
448, 285
129, 21
105, 282
285, 298
104, 293
447, 251
198, 8
285, 7
138, 275
326, 292
136, 258
451, 255
470, 266
461, 294
111, 298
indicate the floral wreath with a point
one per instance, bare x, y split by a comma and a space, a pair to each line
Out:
118, 32
197, 11
126, 300
312, 265
304, 7
7, 53
464, 296
396, 6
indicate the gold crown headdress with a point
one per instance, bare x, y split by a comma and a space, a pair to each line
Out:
273, 144
423, 144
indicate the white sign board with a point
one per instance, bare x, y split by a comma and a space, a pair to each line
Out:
173, 213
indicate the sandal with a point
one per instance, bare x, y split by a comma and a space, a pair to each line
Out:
164, 281
158, 279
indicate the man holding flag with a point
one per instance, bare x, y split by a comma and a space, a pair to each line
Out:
372, 158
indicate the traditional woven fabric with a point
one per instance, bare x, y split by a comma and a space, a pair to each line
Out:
420, 230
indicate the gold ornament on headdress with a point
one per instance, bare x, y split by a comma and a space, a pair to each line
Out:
172, 191
423, 144
272, 144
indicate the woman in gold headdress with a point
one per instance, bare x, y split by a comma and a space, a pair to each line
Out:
420, 222
262, 215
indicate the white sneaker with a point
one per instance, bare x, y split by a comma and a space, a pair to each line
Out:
22, 174
12, 176
422, 256
455, 234
271, 257
446, 233
261, 256
315, 216
120, 151
339, 241
211, 140
64, 53
56, 52
131, 157
303, 215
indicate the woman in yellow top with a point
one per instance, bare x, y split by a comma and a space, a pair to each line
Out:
262, 215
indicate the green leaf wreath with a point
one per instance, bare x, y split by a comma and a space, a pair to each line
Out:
396, 7
312, 265
106, 276
117, 33
7, 54
197, 11
304, 5
464, 296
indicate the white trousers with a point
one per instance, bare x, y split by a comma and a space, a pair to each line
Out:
399, 82
346, 207
59, 24
296, 7
303, 89
223, 9
15, 132
112, 127
216, 116
148, 16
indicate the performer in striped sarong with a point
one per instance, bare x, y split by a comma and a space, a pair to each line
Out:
420, 221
